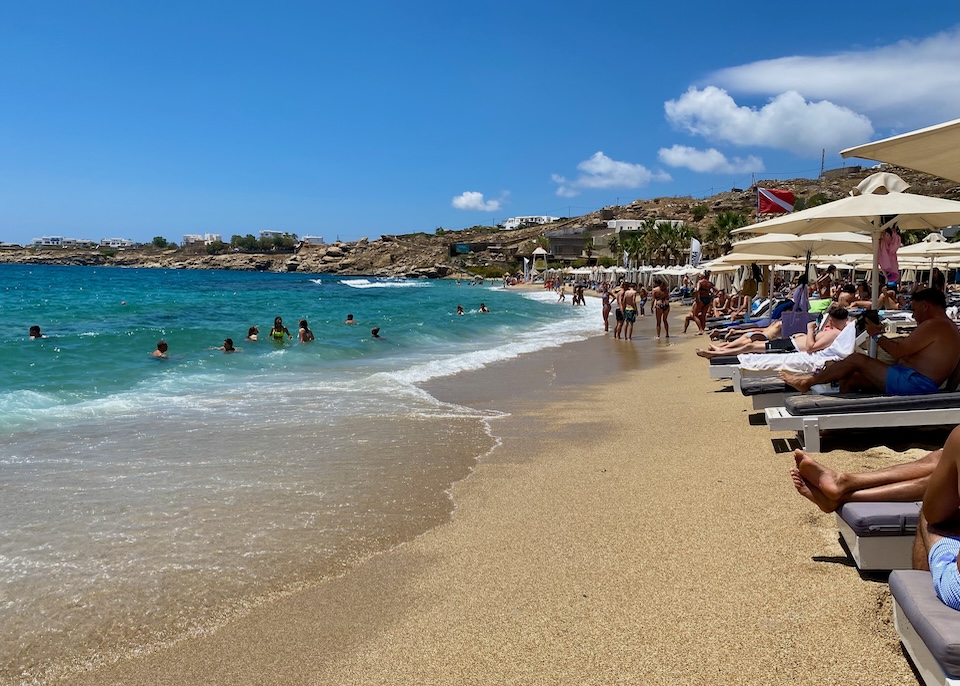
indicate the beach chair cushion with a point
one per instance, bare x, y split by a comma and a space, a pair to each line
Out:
846, 403
937, 625
724, 360
841, 347
759, 385
881, 519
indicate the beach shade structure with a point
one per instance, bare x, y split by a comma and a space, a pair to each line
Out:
797, 247
932, 150
872, 209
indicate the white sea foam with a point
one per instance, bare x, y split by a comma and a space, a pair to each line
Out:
366, 283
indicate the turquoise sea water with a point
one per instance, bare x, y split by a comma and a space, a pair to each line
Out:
141, 499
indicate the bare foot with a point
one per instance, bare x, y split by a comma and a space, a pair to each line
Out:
824, 479
812, 493
704, 353
802, 382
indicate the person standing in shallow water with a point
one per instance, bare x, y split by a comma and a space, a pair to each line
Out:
279, 331
305, 334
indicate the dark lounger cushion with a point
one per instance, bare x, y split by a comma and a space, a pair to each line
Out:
843, 403
881, 519
758, 385
725, 359
937, 624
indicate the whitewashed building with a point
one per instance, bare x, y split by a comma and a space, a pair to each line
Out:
60, 242
314, 240
514, 222
116, 243
192, 238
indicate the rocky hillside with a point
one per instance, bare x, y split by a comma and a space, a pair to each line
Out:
433, 256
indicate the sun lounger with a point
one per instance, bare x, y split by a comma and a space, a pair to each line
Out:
723, 367
879, 536
812, 414
928, 629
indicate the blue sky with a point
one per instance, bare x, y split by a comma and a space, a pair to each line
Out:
133, 120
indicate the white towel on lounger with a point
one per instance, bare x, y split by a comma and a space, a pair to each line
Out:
842, 346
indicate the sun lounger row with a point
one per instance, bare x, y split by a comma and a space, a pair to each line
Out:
810, 415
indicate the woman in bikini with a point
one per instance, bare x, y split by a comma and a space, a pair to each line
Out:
279, 331
661, 306
606, 300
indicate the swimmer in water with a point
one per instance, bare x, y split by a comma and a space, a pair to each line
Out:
305, 334
375, 332
350, 319
459, 309
161, 350
483, 308
35, 333
252, 333
227, 346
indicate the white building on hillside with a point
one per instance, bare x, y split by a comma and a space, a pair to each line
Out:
514, 222
116, 243
314, 240
60, 242
191, 238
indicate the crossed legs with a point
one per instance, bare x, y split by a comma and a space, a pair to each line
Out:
828, 489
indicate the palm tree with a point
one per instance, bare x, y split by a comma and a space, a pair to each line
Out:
633, 246
588, 246
718, 233
614, 244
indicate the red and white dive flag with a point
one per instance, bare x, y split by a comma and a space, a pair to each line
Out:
774, 201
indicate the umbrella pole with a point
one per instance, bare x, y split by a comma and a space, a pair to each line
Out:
875, 284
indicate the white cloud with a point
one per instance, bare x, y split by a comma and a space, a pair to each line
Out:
787, 122
472, 200
599, 171
908, 84
708, 161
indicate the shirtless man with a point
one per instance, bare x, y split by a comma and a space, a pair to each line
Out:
925, 358
938, 531
810, 342
628, 303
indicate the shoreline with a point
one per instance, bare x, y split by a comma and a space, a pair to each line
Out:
632, 526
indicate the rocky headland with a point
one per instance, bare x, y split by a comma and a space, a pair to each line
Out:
435, 255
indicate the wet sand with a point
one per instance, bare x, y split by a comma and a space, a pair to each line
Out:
635, 526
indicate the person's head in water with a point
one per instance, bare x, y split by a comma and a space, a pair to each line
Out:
375, 332
252, 333
35, 332
228, 345
459, 309
278, 322
350, 320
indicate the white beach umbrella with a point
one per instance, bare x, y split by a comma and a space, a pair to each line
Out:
792, 245
932, 150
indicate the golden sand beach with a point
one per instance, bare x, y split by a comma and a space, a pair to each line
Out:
638, 530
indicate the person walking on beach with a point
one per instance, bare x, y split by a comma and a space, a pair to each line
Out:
279, 331
606, 304
661, 306
628, 300
642, 297
305, 334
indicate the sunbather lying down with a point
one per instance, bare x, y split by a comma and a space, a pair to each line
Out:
769, 339
935, 478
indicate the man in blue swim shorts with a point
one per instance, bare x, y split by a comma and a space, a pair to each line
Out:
938, 531
924, 360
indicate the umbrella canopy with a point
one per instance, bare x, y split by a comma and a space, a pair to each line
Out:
792, 245
932, 150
